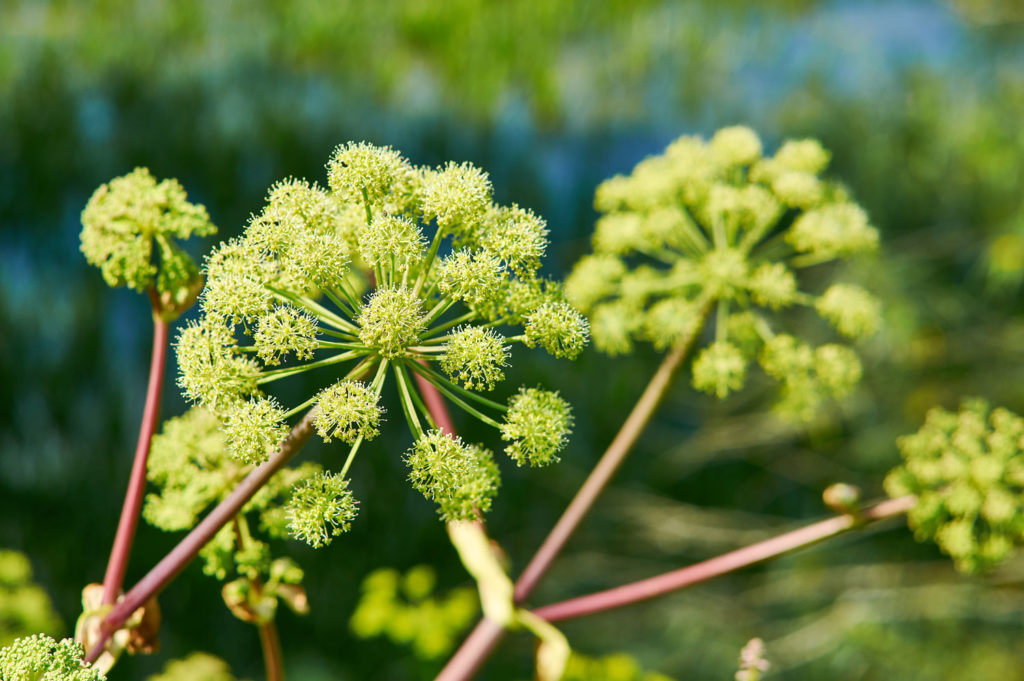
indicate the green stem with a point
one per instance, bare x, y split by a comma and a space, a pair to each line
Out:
408, 408
428, 262
431, 374
342, 304
447, 325
351, 455
274, 374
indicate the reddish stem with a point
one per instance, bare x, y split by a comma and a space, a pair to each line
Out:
271, 644
720, 565
113, 580
182, 554
602, 473
434, 403
485, 636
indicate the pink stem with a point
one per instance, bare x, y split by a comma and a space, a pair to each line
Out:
598, 479
434, 402
182, 554
720, 565
485, 636
113, 580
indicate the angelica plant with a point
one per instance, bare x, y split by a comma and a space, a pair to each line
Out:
717, 229
452, 272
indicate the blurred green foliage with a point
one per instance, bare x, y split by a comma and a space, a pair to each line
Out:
25, 608
921, 103
402, 607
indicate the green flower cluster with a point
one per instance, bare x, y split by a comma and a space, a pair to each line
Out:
449, 273
967, 471
129, 229
718, 228
402, 608
24, 606
190, 465
40, 658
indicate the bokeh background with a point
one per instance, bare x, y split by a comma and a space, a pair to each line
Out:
922, 103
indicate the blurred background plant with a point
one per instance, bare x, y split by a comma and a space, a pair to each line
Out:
920, 103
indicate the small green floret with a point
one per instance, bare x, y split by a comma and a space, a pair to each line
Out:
967, 471
457, 196
558, 328
234, 284
475, 357
391, 240
321, 508
853, 311
537, 426
838, 229
391, 321
719, 369
41, 658
210, 374
517, 236
285, 330
461, 479
348, 410
359, 171
254, 429
736, 145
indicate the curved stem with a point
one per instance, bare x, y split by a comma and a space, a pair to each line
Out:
182, 554
720, 565
485, 636
113, 580
271, 644
610, 461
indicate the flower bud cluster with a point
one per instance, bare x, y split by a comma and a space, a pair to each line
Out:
41, 657
461, 479
192, 468
391, 270
967, 471
718, 227
129, 227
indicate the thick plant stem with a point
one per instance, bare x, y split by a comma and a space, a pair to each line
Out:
485, 636
118, 561
435, 403
720, 565
182, 554
271, 644
610, 461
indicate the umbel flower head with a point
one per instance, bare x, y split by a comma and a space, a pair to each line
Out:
453, 285
129, 228
967, 471
718, 228
40, 658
